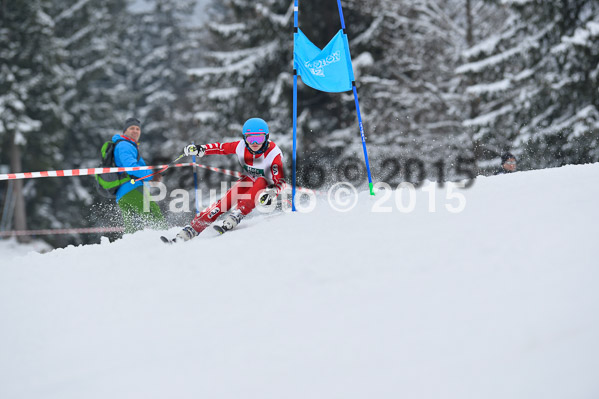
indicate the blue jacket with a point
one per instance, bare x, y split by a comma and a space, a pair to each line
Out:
125, 155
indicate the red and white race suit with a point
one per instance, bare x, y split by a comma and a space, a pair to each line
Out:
259, 172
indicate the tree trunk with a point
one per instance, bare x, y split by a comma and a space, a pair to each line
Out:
20, 218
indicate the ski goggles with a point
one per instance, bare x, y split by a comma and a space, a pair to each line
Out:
255, 138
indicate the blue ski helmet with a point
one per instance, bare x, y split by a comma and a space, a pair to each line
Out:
253, 126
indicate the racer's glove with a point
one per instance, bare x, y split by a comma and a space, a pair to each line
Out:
197, 150
268, 196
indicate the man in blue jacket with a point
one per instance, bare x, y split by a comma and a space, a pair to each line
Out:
130, 197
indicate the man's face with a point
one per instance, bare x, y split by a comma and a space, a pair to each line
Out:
510, 165
133, 132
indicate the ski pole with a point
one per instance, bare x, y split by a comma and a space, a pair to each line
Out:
133, 181
195, 182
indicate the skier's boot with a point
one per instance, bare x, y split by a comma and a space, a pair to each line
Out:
186, 234
230, 221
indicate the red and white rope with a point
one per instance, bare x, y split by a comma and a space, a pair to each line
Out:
219, 170
98, 171
80, 172
89, 230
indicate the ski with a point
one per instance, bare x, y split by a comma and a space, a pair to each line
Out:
219, 229
166, 240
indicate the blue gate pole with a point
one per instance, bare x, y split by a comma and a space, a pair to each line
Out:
195, 181
355, 90
294, 162
370, 185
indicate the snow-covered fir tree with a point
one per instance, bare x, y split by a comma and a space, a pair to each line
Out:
537, 79
157, 48
88, 32
34, 79
247, 67
413, 101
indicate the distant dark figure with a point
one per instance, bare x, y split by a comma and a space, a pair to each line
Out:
508, 164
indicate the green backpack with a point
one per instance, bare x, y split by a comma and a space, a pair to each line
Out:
109, 183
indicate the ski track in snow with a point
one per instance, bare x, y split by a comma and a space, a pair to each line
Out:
498, 301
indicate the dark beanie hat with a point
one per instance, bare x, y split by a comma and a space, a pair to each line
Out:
131, 122
506, 156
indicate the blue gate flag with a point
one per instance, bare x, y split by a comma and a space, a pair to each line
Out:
329, 69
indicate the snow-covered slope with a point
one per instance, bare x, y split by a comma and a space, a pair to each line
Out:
498, 301
10, 247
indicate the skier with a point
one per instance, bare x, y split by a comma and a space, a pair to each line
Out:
263, 178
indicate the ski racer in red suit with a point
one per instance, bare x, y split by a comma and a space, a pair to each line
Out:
262, 163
